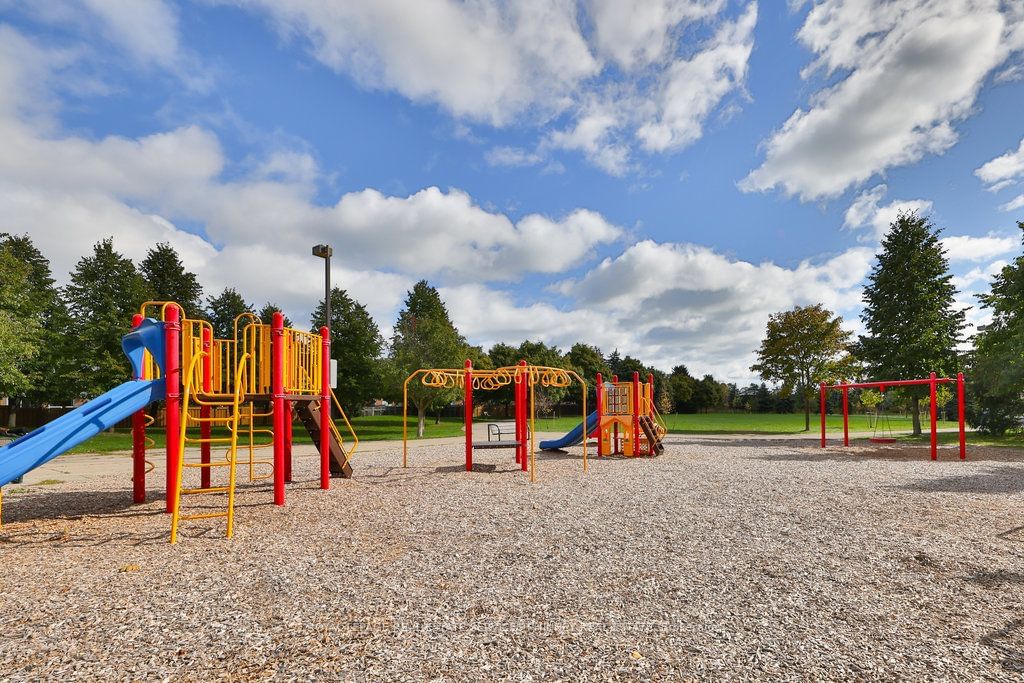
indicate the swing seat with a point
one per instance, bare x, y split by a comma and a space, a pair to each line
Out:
881, 439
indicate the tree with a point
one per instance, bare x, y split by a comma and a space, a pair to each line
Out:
20, 330
587, 361
105, 291
910, 314
169, 281
425, 337
41, 303
356, 344
995, 400
222, 310
266, 314
801, 348
682, 387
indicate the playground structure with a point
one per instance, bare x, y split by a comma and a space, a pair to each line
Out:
205, 382
932, 382
523, 378
628, 422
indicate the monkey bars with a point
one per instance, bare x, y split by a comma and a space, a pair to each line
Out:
932, 382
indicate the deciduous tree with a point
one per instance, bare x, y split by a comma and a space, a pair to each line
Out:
801, 348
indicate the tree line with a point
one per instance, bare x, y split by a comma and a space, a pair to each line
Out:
60, 344
913, 326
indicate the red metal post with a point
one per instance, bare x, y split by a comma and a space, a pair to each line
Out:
172, 402
615, 428
289, 417
650, 383
636, 413
277, 390
846, 416
934, 414
517, 402
524, 408
205, 430
600, 412
822, 409
325, 408
468, 405
960, 414
139, 440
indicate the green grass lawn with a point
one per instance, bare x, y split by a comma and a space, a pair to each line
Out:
747, 423
374, 428
389, 427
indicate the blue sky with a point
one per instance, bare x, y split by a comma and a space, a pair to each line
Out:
656, 176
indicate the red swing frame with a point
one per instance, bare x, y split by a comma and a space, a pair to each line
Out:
932, 381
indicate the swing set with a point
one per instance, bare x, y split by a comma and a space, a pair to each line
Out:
932, 382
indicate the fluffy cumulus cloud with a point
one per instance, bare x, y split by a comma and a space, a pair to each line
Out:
689, 297
643, 77
146, 32
897, 78
1006, 170
868, 214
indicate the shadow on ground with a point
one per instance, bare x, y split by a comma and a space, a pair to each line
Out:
996, 480
1008, 641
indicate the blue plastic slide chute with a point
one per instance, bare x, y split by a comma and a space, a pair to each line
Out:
103, 412
573, 438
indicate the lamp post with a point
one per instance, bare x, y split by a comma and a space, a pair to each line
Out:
325, 252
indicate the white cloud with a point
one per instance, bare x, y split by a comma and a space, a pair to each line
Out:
866, 212
898, 77
146, 31
1009, 166
512, 157
691, 89
1014, 204
978, 275
638, 33
689, 302
968, 248
642, 76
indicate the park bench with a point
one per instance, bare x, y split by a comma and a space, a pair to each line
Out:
500, 435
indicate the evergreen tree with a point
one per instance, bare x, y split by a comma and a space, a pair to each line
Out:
801, 348
913, 324
169, 281
995, 400
587, 361
105, 291
266, 314
356, 344
221, 310
614, 363
425, 337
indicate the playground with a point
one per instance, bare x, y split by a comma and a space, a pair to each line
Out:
603, 543
735, 553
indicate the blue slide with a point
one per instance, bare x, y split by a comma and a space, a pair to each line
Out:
574, 437
101, 413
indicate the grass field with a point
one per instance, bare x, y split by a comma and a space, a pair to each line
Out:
389, 427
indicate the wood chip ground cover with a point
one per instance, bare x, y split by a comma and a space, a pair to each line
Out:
723, 559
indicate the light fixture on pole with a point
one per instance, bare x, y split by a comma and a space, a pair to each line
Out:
325, 252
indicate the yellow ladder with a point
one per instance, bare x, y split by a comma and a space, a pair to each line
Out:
232, 422
247, 425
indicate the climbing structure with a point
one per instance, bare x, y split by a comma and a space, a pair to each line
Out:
262, 372
627, 421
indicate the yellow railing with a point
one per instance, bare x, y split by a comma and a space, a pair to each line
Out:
303, 362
